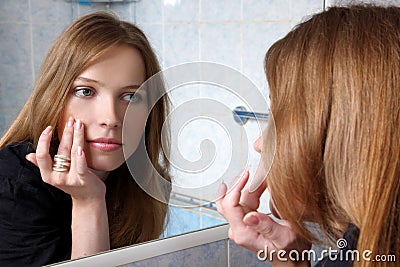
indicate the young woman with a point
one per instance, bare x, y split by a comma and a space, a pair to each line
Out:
335, 99
66, 190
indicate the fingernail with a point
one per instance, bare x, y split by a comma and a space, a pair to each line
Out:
79, 151
251, 220
244, 172
47, 130
220, 189
70, 122
77, 124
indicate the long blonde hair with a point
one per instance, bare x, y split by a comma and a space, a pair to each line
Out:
134, 216
335, 96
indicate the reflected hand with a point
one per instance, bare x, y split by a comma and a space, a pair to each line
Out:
255, 231
79, 181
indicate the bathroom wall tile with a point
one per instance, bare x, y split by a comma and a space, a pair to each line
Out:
154, 33
84, 9
229, 98
211, 219
223, 10
185, 93
280, 9
239, 256
124, 11
221, 43
14, 44
3, 124
14, 10
15, 85
257, 38
51, 11
15, 64
181, 43
303, 9
182, 220
212, 254
43, 36
7, 116
149, 11
181, 10
346, 2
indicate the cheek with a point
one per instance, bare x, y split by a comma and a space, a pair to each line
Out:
133, 128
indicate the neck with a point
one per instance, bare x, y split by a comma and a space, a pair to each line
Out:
101, 174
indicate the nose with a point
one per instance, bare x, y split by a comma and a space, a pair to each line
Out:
109, 115
258, 144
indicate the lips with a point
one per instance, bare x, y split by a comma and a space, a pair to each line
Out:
105, 144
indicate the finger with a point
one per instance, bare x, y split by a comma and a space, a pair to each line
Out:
43, 158
78, 137
230, 208
78, 141
221, 190
234, 195
220, 194
81, 165
251, 199
31, 157
267, 227
64, 147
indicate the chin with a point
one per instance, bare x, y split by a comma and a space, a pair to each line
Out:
104, 164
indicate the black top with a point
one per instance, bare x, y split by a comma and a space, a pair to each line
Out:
35, 217
351, 237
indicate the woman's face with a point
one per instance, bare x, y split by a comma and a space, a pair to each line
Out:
99, 98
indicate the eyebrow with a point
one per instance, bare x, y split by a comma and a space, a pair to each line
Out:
128, 87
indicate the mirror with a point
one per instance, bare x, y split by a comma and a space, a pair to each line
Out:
229, 37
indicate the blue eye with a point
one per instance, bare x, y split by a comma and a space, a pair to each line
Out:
132, 98
83, 91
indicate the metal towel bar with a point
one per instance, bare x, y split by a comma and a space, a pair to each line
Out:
241, 115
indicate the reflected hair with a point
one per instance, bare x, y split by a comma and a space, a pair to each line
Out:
134, 216
335, 97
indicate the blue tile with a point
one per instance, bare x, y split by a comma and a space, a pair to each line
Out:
51, 11
220, 43
43, 35
280, 9
149, 11
257, 38
182, 220
239, 257
7, 116
222, 10
15, 85
212, 254
181, 43
154, 33
181, 10
14, 11
16, 76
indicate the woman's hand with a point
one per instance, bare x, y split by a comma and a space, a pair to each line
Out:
256, 231
89, 225
79, 181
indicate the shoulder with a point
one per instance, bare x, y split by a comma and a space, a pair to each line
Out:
12, 159
20, 179
35, 216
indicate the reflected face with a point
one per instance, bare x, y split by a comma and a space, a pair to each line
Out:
99, 98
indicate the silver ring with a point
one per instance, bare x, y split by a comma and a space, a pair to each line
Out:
61, 163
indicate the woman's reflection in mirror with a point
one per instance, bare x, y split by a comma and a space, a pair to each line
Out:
65, 187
